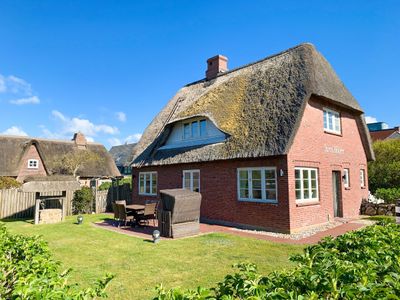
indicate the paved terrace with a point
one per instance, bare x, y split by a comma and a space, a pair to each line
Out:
339, 228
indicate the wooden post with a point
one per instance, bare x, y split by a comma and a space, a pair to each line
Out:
398, 211
37, 207
63, 201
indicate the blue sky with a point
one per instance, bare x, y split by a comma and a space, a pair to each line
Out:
106, 68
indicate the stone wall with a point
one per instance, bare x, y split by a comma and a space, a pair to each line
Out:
374, 209
50, 216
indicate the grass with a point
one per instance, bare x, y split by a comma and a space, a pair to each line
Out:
140, 265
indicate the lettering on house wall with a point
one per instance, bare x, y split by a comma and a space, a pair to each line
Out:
333, 149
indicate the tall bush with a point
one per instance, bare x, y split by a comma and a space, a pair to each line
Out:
390, 195
384, 172
362, 264
8, 183
82, 200
28, 271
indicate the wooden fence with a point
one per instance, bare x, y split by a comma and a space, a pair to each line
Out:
15, 204
105, 198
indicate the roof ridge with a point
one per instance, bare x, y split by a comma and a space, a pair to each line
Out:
305, 44
43, 139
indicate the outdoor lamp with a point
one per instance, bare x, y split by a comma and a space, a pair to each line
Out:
156, 236
79, 219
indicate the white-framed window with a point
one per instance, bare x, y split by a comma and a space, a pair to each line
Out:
362, 178
306, 185
191, 180
257, 184
331, 121
346, 178
148, 183
195, 129
33, 164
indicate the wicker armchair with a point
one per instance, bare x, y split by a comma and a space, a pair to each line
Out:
116, 213
149, 213
123, 216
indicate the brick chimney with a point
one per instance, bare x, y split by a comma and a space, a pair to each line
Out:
80, 140
215, 65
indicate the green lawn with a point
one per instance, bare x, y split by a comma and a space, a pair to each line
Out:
140, 265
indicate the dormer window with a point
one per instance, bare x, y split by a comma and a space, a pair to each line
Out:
33, 164
195, 129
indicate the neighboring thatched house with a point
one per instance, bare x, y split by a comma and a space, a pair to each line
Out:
26, 158
122, 155
380, 131
278, 144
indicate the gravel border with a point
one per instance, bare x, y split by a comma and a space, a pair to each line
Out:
295, 236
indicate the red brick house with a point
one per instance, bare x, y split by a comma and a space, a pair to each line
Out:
26, 158
279, 144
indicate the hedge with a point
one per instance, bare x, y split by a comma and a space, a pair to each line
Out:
363, 264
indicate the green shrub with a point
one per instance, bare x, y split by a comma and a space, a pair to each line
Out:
28, 271
107, 185
362, 264
8, 183
390, 195
82, 200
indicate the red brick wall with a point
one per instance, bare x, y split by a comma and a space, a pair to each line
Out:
31, 153
218, 184
308, 150
218, 180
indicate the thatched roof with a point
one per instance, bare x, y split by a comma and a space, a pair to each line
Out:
122, 154
13, 148
259, 106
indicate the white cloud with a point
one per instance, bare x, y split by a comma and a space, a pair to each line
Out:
29, 100
3, 87
121, 116
15, 85
133, 138
369, 119
114, 141
83, 125
15, 130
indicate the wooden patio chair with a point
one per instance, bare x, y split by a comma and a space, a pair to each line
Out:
149, 213
116, 213
123, 202
123, 216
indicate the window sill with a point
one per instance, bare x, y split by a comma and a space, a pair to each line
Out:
258, 201
333, 132
309, 203
363, 187
154, 195
347, 188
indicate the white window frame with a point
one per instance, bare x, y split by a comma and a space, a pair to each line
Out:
362, 178
198, 136
35, 164
190, 172
145, 174
346, 178
263, 186
327, 112
302, 199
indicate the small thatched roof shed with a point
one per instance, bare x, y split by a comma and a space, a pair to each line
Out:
259, 106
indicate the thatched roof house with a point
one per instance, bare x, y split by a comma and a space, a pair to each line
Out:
23, 157
123, 155
278, 144
258, 106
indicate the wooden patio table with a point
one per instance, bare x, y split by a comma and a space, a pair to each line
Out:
135, 209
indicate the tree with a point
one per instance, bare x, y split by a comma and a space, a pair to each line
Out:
73, 162
384, 172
